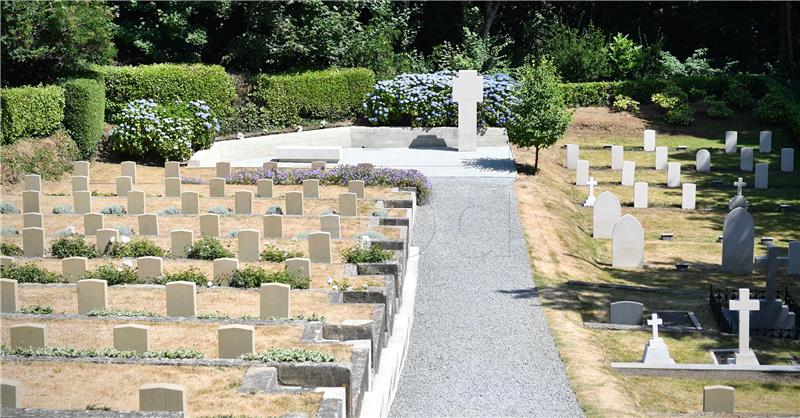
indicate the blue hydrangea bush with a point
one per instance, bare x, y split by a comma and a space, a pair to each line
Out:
425, 100
147, 130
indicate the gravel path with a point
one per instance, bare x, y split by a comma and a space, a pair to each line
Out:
480, 345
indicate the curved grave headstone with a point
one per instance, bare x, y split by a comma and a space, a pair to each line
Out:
607, 212
737, 242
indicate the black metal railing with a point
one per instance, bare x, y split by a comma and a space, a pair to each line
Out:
720, 297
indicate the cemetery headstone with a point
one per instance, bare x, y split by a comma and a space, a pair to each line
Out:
731, 138
765, 142
689, 196
762, 175
744, 355
787, 160
357, 187
234, 341
626, 313
172, 187
319, 247
209, 224
264, 188
30, 201
74, 268
216, 187
92, 295
301, 266
172, 169
640, 195
244, 202
82, 202
275, 300
294, 203
124, 185
149, 267
656, 351
737, 242
311, 189
28, 335
181, 299
32, 220
591, 198
148, 224
467, 92
318, 165
32, 182
628, 173
10, 394
92, 222
132, 337
104, 236
80, 168
649, 140
136, 202
180, 242
190, 203
573, 151
330, 224
9, 295
673, 175
223, 169
162, 397
703, 161
33, 242
269, 166
662, 154
606, 213
249, 243
80, 184
793, 264
273, 226
627, 243
617, 155
718, 399
225, 267
348, 204
746, 159
128, 169
581, 172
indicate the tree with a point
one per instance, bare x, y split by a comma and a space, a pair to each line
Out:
44, 40
539, 116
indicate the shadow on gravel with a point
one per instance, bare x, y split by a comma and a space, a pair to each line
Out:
528, 293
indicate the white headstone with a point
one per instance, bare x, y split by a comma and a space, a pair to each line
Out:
573, 150
606, 213
762, 175
640, 194
627, 243
34, 182
765, 142
787, 160
128, 168
617, 156
744, 355
746, 159
467, 92
628, 173
703, 161
581, 172
331, 224
674, 175
793, 266
688, 201
731, 137
738, 232
649, 140
591, 198
661, 158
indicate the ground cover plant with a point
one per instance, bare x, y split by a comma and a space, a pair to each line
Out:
359, 253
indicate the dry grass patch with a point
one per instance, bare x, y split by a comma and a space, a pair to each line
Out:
211, 391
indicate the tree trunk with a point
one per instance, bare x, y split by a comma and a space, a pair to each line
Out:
536, 162
490, 14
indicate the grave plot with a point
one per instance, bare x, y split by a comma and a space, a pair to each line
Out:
294, 300
677, 243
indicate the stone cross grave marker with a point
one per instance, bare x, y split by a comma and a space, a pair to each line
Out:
654, 322
656, 352
467, 92
744, 356
739, 185
591, 199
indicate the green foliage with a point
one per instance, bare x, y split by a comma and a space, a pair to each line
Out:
49, 157
121, 312
696, 64
682, 114
72, 246
72, 352
738, 94
208, 248
114, 275
192, 274
8, 208
312, 317
46, 40
118, 210
213, 315
625, 57
30, 273
597, 93
273, 254
779, 105
178, 353
716, 108
139, 247
36, 310
252, 276
62, 210
30, 111
359, 253
484, 54
84, 111
164, 83
284, 355
10, 249
274, 210
624, 104
578, 55
328, 94
539, 116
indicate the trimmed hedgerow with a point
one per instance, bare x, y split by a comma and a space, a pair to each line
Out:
252, 276
30, 111
329, 94
84, 112
49, 157
167, 82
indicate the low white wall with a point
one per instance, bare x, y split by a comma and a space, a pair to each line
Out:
404, 137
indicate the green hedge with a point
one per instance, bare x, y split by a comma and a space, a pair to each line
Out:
30, 112
166, 82
85, 101
49, 157
328, 94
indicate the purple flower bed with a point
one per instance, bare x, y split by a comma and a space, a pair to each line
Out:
340, 176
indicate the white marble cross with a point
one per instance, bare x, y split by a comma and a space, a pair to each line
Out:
744, 305
655, 322
590, 200
467, 92
739, 184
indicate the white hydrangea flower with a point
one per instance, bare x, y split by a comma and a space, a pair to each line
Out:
125, 239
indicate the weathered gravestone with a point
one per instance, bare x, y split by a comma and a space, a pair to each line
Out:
787, 160
273, 226
190, 203
132, 337
294, 203
640, 195
124, 185
627, 243
73, 268
731, 138
162, 397
180, 242
128, 169
233, 341
92, 295
264, 187
92, 222
32, 182
311, 189
28, 335
9, 295
737, 242
467, 92
33, 242
300, 266
330, 224
746, 159
82, 202
626, 313
319, 247
703, 161
689, 196
181, 299
216, 187
573, 151
148, 224
244, 202
718, 399
249, 243
172, 187
617, 156
765, 142
581, 172
606, 213
275, 301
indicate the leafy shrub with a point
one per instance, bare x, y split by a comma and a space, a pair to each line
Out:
72, 352
340, 175
220, 210
273, 254
274, 210
252, 276
171, 210
62, 210
426, 100
358, 253
588, 94
161, 132
625, 104
178, 353
72, 246
140, 247
671, 97
84, 111
625, 57
167, 82
233, 234
208, 248
49, 157
312, 317
213, 315
8, 208
695, 65
10, 249
66, 232
120, 312
193, 274
738, 94
7, 230
476, 52
30, 273
283, 355
30, 111
114, 275
716, 108
36, 310
329, 94
113, 210
681, 114
578, 55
